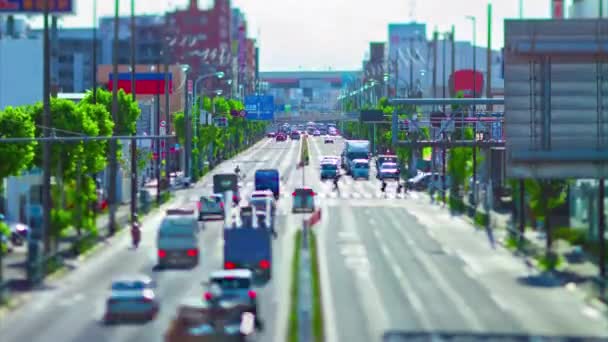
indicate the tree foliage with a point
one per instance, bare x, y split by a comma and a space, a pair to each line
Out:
15, 122
128, 110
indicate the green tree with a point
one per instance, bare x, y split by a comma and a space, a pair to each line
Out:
128, 110
544, 196
15, 122
178, 126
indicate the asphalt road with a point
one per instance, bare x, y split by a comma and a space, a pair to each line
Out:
398, 263
70, 309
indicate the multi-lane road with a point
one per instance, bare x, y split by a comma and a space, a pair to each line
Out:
388, 263
401, 264
70, 309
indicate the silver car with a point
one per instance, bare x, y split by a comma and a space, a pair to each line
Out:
132, 299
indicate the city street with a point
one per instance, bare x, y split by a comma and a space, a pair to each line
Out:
70, 309
401, 264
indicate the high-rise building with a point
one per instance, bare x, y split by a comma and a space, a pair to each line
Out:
587, 9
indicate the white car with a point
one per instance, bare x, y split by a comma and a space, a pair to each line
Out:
330, 159
329, 139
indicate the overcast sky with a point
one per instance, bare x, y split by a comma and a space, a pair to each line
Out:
323, 34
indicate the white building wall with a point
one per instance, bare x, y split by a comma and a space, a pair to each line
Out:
587, 9
20, 72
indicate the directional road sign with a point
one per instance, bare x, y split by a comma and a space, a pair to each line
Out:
259, 107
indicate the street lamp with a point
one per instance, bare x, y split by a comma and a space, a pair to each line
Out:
219, 75
474, 22
187, 126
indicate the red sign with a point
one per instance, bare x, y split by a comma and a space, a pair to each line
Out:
190, 86
314, 218
464, 81
558, 9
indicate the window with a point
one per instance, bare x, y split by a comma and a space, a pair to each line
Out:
223, 33
203, 20
232, 283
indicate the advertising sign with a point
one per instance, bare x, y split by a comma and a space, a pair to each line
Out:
259, 107
555, 130
146, 83
372, 116
36, 6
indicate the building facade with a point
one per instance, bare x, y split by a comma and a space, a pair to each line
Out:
20, 72
307, 91
587, 9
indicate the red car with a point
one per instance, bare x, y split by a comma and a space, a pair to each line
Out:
281, 137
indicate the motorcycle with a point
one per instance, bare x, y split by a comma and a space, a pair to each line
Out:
135, 234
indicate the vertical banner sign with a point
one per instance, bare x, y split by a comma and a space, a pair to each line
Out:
557, 9
242, 48
190, 87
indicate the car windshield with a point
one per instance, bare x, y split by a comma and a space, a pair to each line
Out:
130, 285
329, 167
235, 283
389, 166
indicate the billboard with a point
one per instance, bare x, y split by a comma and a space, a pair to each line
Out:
146, 83
464, 81
556, 92
36, 6
259, 107
372, 116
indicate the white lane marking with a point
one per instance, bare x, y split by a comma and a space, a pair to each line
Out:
369, 295
372, 221
406, 287
356, 195
440, 280
331, 334
367, 195
500, 302
591, 312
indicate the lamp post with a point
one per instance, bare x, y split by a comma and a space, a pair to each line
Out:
113, 144
187, 124
474, 22
219, 75
133, 141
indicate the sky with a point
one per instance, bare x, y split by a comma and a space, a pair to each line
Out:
334, 34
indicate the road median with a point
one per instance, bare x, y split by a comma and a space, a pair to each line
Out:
306, 307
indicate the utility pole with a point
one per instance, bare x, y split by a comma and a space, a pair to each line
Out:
113, 143
453, 52
133, 141
94, 58
157, 150
489, 57
46, 121
435, 36
165, 54
411, 67
444, 69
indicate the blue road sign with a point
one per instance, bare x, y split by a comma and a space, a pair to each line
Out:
35, 6
259, 107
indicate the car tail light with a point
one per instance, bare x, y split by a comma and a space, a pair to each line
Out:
199, 205
229, 265
162, 253
208, 296
264, 264
235, 198
293, 194
192, 252
251, 294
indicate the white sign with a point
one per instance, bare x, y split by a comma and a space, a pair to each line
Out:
163, 130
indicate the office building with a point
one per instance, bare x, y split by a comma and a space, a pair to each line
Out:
20, 72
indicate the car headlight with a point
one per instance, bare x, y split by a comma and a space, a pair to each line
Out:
233, 329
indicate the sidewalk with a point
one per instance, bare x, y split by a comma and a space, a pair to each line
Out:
14, 264
575, 270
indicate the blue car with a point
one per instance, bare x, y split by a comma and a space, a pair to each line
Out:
360, 169
329, 170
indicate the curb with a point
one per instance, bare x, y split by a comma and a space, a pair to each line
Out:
13, 303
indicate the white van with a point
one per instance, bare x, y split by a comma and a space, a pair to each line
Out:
177, 240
